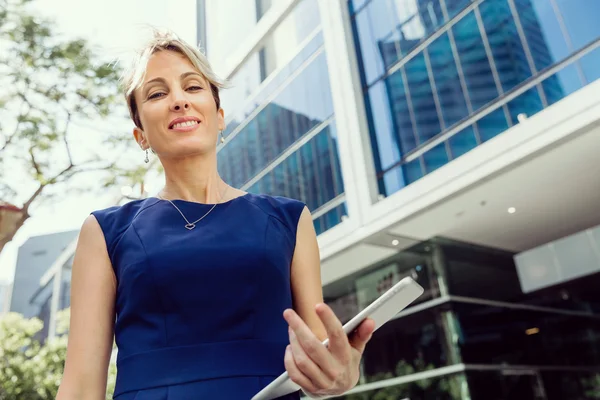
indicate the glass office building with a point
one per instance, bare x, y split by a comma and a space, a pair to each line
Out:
281, 131
440, 77
349, 104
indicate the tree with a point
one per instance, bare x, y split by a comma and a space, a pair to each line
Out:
49, 85
29, 369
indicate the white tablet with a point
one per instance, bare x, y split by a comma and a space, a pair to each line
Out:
381, 311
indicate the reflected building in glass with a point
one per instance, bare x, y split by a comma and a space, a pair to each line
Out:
453, 141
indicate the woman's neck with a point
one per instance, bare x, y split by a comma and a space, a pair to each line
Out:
194, 180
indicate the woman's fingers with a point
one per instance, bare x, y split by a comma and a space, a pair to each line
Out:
315, 350
295, 374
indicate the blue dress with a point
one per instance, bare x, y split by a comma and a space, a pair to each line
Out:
199, 312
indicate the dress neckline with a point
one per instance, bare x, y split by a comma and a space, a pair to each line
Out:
181, 201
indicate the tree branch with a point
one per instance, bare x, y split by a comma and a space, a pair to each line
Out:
65, 138
32, 198
21, 114
60, 174
35, 164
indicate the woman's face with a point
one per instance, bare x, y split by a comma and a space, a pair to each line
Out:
177, 109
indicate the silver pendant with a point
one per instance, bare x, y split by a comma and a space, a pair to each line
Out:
190, 226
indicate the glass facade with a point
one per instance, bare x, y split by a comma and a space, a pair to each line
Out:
452, 74
281, 137
474, 318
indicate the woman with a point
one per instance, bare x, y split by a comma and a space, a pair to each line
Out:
215, 291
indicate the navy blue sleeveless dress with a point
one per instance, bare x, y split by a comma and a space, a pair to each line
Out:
199, 312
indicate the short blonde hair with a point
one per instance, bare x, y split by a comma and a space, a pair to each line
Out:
164, 40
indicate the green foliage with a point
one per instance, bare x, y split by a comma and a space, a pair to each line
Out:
30, 370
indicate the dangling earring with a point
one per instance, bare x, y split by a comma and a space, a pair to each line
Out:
146, 160
222, 137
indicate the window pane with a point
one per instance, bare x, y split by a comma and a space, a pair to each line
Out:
294, 112
401, 113
581, 19
330, 219
416, 20
528, 103
295, 189
481, 272
506, 46
523, 337
447, 81
355, 5
435, 157
455, 6
385, 144
561, 84
393, 180
543, 32
311, 174
428, 124
492, 124
413, 171
373, 26
406, 345
475, 65
590, 63
462, 142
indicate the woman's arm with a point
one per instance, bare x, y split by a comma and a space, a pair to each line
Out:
93, 290
319, 370
307, 290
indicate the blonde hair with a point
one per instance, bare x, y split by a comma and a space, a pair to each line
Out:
164, 40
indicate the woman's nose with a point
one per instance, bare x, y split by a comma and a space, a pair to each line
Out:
179, 105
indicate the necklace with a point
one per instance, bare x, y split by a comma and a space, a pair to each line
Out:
191, 225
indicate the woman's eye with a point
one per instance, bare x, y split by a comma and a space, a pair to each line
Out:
195, 88
155, 95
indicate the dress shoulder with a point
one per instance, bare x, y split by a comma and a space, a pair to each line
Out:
115, 220
284, 209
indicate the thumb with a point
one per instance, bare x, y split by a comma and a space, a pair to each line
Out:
362, 335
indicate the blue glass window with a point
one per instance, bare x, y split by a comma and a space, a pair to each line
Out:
311, 174
590, 63
492, 124
388, 148
393, 180
561, 84
447, 81
416, 21
581, 19
330, 219
374, 28
507, 49
474, 61
542, 30
528, 103
294, 112
421, 94
455, 6
435, 157
401, 112
355, 5
413, 171
462, 142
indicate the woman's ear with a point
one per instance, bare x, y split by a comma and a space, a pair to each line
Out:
140, 138
221, 119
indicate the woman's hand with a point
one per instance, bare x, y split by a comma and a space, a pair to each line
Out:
320, 370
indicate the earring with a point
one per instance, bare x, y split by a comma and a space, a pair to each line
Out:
146, 160
222, 137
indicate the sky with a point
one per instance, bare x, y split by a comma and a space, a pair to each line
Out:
118, 27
